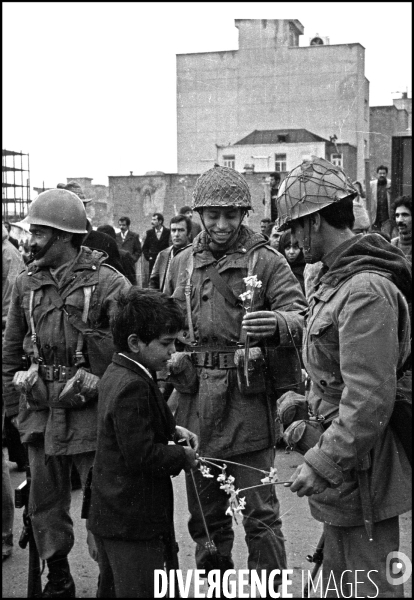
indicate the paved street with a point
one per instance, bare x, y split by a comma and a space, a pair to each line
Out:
300, 530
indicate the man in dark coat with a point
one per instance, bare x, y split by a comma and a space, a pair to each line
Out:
156, 239
128, 240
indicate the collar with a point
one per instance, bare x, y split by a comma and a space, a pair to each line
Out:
330, 258
137, 363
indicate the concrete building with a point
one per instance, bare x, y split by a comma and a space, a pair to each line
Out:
386, 123
283, 149
270, 83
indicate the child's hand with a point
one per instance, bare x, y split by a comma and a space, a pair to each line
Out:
191, 459
190, 437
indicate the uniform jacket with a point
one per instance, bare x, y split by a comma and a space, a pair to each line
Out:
152, 245
132, 497
66, 431
357, 336
12, 264
372, 209
227, 421
131, 244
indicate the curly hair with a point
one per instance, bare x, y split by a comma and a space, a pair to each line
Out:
147, 313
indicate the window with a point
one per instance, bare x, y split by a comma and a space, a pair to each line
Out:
337, 160
280, 162
229, 161
282, 138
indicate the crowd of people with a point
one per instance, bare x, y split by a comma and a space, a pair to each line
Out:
131, 384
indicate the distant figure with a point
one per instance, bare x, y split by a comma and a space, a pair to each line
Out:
187, 211
128, 240
274, 188
264, 224
404, 219
294, 256
157, 239
180, 227
380, 209
12, 240
126, 260
95, 239
273, 235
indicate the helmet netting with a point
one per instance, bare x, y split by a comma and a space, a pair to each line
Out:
221, 186
314, 184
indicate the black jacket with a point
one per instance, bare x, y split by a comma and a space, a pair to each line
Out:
152, 245
132, 496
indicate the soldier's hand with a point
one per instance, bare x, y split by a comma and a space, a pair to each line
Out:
25, 380
306, 482
191, 461
260, 324
190, 437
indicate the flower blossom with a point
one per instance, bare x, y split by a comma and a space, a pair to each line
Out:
271, 477
205, 471
252, 281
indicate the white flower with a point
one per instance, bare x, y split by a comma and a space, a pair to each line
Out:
246, 296
252, 281
271, 477
205, 471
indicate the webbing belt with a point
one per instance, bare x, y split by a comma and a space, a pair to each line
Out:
56, 372
213, 360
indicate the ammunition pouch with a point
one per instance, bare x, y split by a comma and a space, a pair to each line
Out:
256, 372
183, 373
80, 389
292, 407
303, 435
36, 397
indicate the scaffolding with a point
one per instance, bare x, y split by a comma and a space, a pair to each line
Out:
15, 185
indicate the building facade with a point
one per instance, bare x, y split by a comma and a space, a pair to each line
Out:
270, 83
387, 122
282, 150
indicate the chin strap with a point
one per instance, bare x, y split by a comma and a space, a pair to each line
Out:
307, 241
45, 248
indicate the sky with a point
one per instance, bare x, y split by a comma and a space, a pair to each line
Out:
89, 89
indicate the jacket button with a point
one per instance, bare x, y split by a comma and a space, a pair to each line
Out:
47, 347
205, 298
205, 376
323, 382
204, 340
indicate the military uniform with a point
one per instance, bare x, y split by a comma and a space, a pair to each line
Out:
62, 434
232, 423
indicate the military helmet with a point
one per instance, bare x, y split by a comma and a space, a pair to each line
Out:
314, 184
221, 187
60, 209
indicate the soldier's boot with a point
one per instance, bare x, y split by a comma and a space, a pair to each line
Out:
60, 584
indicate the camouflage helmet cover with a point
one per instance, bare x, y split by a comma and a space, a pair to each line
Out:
309, 187
221, 187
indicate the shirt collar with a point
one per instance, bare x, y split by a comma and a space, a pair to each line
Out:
137, 363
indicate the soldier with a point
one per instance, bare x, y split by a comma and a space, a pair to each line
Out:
232, 419
59, 322
356, 342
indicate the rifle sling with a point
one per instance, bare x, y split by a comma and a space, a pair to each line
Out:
222, 287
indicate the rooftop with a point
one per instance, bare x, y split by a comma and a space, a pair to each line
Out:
273, 136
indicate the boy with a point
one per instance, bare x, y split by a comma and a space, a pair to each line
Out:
131, 512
